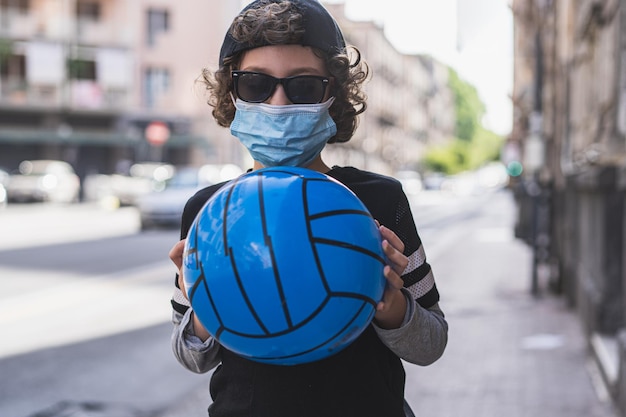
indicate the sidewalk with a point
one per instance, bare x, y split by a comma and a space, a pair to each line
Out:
509, 354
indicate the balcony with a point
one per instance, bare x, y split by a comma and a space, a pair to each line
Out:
101, 33
77, 94
16, 25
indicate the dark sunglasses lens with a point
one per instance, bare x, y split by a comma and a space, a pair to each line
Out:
305, 90
254, 88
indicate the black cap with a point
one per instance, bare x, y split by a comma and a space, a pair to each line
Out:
320, 30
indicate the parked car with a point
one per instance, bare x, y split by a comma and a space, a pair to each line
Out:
125, 189
44, 180
4, 176
164, 208
4, 180
3, 196
434, 181
411, 181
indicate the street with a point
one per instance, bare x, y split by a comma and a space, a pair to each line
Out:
84, 318
84, 313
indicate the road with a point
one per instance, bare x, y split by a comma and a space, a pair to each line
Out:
84, 311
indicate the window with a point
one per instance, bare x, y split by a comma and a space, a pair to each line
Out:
80, 69
158, 22
88, 10
17, 5
13, 66
156, 84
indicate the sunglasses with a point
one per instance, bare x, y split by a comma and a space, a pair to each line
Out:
256, 87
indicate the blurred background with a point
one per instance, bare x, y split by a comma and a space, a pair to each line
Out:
503, 118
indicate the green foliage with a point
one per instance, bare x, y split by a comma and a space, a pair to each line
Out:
484, 147
6, 49
473, 145
440, 159
80, 69
468, 107
461, 155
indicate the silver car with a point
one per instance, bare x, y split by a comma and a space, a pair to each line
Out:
44, 180
164, 208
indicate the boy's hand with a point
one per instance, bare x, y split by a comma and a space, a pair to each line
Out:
176, 255
391, 310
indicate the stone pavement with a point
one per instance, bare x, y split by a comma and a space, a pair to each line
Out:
509, 354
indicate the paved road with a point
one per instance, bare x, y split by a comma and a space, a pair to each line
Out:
509, 354
84, 315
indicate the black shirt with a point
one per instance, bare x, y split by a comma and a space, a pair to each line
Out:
364, 379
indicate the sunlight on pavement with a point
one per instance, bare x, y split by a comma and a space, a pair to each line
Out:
84, 309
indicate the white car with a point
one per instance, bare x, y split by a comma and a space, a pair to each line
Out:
411, 181
4, 177
125, 189
3, 196
44, 180
165, 208
4, 180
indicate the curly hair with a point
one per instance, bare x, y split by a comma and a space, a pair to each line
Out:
282, 24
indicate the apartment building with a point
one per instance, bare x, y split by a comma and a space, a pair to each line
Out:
410, 105
570, 124
103, 83
81, 80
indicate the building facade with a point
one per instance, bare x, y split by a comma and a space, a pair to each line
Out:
81, 80
105, 83
410, 105
570, 127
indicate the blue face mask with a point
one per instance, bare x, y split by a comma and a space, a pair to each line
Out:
290, 135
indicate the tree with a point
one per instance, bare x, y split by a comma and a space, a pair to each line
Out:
468, 106
6, 50
473, 145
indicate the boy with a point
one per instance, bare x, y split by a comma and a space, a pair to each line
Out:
286, 87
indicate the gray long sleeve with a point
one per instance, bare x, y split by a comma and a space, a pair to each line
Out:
423, 336
191, 352
421, 339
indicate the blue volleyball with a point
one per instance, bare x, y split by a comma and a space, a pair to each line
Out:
284, 266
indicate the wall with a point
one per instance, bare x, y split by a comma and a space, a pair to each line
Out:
570, 77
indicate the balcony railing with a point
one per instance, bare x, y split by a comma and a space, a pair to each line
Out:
81, 94
17, 25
